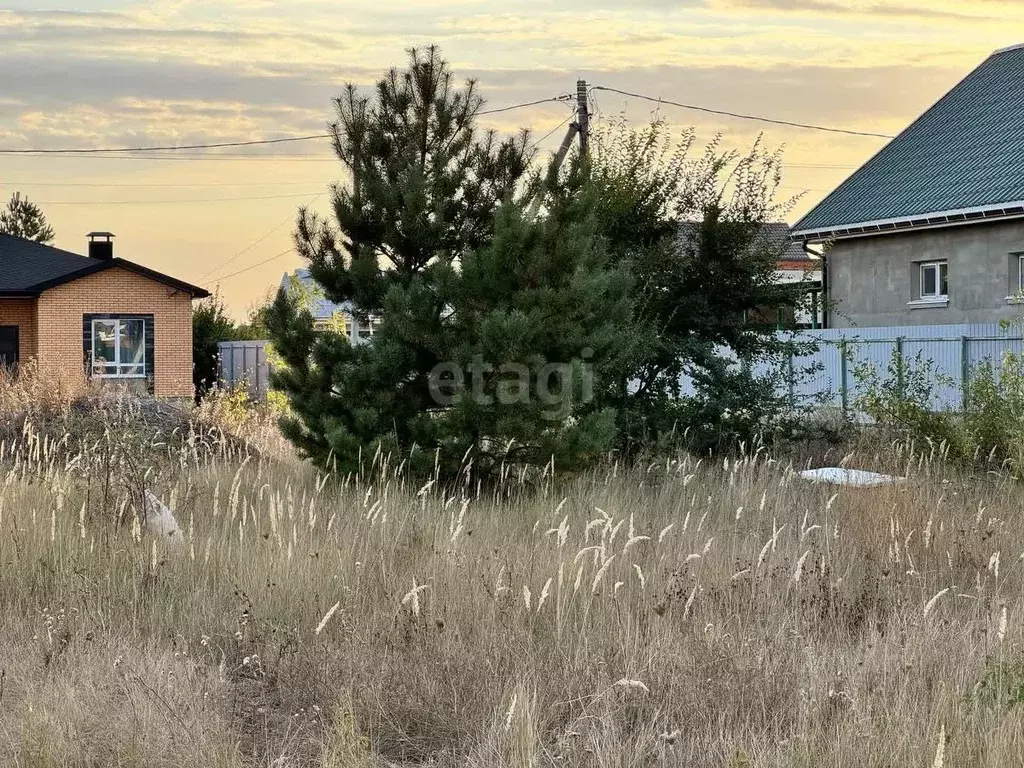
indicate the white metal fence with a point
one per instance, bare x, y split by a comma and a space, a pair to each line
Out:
953, 350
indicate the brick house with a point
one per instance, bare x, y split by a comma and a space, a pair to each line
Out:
95, 317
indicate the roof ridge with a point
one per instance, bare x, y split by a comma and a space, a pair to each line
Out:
35, 267
904, 179
1008, 48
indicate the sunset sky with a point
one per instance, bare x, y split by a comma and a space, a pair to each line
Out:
109, 73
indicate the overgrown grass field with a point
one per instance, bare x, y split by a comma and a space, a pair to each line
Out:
720, 614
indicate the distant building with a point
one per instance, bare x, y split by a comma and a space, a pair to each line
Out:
796, 265
793, 265
328, 316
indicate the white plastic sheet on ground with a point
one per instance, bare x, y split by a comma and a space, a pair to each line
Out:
853, 477
160, 519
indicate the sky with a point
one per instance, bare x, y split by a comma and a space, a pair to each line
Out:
121, 73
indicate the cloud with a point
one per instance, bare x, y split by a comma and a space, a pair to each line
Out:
74, 100
139, 72
27, 29
30, 13
980, 10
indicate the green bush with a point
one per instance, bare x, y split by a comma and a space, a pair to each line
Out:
987, 431
993, 422
902, 399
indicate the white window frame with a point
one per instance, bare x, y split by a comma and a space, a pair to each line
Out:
116, 362
366, 331
937, 266
1020, 273
338, 322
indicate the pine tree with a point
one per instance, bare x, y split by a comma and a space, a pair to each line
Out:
23, 218
425, 187
541, 321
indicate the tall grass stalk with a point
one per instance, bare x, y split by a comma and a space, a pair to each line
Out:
620, 618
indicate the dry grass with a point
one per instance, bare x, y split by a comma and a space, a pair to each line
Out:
689, 614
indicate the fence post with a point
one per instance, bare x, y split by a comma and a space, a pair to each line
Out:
256, 365
899, 363
792, 393
843, 396
965, 370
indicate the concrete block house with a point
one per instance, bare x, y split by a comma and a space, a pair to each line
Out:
95, 317
930, 231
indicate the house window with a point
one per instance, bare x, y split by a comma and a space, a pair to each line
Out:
367, 330
337, 322
1020, 273
119, 348
934, 282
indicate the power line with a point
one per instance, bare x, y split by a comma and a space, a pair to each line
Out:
247, 248
277, 227
168, 202
155, 185
257, 241
283, 253
230, 144
244, 156
563, 97
548, 135
258, 264
252, 156
741, 116
219, 145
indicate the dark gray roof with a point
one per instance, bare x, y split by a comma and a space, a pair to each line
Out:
775, 235
966, 152
28, 268
25, 264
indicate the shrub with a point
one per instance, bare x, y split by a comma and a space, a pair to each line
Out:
989, 429
732, 408
993, 422
904, 398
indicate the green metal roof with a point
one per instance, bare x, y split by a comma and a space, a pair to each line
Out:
961, 160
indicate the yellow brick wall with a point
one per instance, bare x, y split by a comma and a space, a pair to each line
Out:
22, 313
116, 291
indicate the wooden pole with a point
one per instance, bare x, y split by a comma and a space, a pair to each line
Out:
563, 150
552, 176
582, 116
581, 126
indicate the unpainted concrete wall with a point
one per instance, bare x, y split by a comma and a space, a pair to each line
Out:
872, 279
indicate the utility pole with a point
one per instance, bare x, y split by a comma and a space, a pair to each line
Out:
582, 116
581, 126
